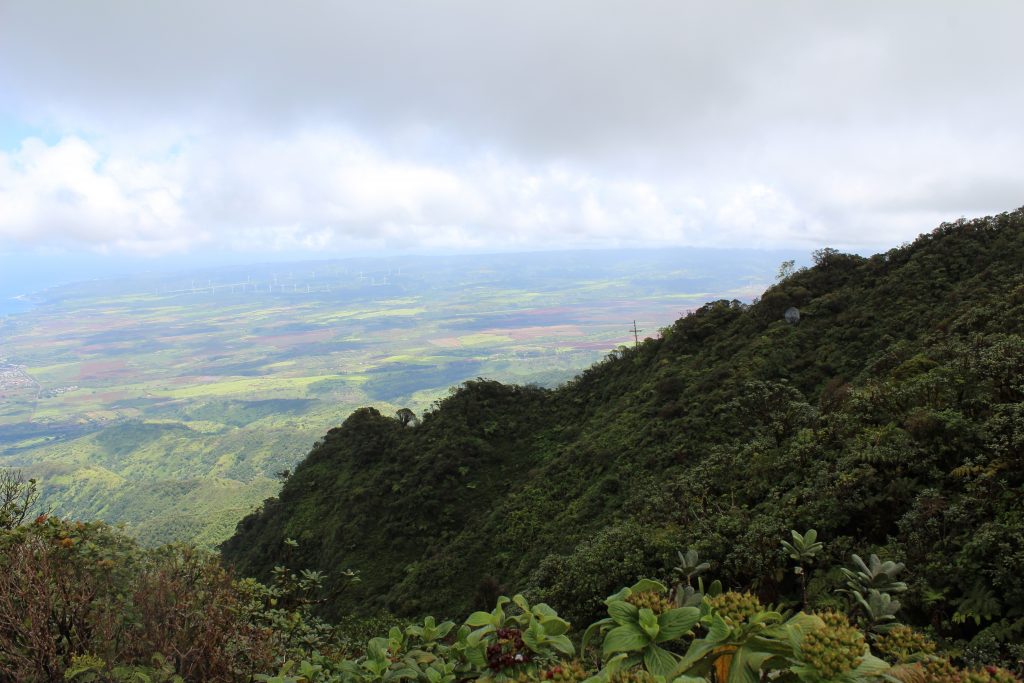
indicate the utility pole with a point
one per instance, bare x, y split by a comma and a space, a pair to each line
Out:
636, 336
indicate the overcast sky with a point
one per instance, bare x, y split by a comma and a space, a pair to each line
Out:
332, 127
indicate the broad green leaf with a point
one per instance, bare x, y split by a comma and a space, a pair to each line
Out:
623, 612
554, 626
616, 664
593, 629
349, 667
477, 619
695, 655
806, 673
676, 622
375, 666
719, 630
476, 656
563, 645
543, 609
746, 665
659, 662
765, 618
647, 585
533, 637
627, 638
774, 642
649, 622
377, 648
870, 667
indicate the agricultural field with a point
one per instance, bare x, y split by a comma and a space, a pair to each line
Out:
174, 403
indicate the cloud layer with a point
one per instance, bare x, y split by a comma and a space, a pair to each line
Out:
326, 126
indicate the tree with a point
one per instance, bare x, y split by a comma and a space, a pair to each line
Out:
17, 497
407, 417
825, 256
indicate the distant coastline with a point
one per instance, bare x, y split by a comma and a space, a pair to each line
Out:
16, 304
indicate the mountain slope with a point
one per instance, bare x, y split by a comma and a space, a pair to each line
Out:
892, 412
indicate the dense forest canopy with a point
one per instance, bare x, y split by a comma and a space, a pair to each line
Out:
889, 417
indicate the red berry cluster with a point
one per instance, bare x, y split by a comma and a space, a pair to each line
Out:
565, 672
508, 651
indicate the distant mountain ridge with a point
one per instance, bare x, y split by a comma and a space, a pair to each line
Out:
891, 413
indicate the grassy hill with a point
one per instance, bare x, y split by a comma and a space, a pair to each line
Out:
889, 417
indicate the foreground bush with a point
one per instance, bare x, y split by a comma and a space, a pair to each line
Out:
647, 637
83, 601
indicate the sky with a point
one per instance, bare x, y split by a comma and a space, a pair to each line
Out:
184, 129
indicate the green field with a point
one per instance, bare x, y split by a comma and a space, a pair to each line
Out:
169, 402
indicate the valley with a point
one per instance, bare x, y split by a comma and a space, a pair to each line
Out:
170, 402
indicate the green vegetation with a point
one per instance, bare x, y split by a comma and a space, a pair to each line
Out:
82, 602
885, 426
888, 419
168, 403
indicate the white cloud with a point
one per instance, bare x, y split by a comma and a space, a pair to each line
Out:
327, 126
69, 193
326, 191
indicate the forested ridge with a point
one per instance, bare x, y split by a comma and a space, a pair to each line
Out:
746, 497
889, 418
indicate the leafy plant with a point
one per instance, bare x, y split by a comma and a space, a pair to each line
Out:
741, 638
508, 641
875, 574
832, 650
870, 585
804, 549
641, 618
690, 566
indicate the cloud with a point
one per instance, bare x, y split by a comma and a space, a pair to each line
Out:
325, 190
68, 193
328, 125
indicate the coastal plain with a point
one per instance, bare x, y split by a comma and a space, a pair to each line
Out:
174, 403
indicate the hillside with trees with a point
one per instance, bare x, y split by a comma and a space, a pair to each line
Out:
829, 497
83, 602
889, 418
